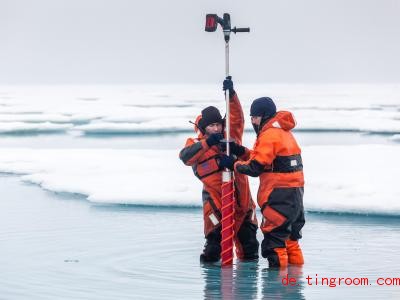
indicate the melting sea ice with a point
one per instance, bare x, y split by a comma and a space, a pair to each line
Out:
141, 239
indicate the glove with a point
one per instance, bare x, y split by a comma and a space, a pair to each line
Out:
228, 85
234, 148
226, 161
214, 139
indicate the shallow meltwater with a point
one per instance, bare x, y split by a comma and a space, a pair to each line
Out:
59, 246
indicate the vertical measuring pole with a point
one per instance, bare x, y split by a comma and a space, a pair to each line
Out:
227, 188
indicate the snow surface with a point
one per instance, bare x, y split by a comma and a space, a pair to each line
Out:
41, 127
358, 179
168, 108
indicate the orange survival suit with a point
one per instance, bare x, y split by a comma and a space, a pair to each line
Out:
204, 162
276, 159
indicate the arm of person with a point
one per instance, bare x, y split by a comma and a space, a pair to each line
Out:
192, 151
237, 118
246, 155
260, 158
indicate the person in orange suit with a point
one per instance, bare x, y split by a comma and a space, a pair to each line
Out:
206, 156
276, 160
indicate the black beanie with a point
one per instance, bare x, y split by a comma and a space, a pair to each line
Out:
263, 107
210, 115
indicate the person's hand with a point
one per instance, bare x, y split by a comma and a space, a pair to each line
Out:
228, 85
214, 139
226, 161
234, 148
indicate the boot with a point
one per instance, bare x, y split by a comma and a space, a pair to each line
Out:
212, 248
277, 257
211, 253
294, 252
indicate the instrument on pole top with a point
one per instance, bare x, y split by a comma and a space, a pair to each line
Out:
212, 21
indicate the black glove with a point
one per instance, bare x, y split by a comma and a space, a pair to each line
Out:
228, 85
226, 161
234, 148
214, 139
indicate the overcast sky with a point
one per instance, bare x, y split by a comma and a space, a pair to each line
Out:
149, 41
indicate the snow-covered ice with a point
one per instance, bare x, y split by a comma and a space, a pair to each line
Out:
167, 108
346, 178
40, 127
340, 178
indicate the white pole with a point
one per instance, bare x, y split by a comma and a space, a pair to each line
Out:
228, 123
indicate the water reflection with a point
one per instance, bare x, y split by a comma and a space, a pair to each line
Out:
246, 281
212, 281
283, 283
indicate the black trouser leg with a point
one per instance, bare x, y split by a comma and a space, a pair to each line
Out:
247, 236
298, 224
212, 247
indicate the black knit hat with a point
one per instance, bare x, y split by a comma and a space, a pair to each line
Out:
263, 107
210, 115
